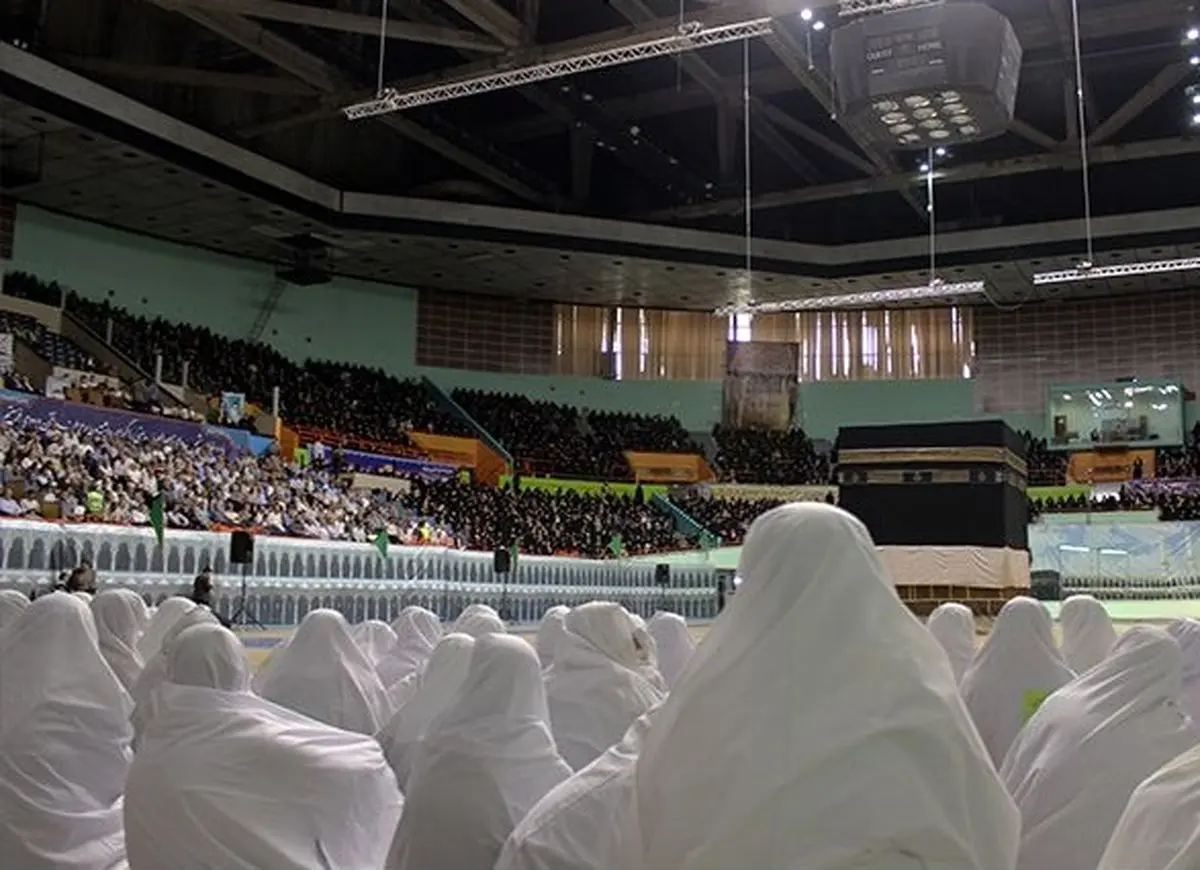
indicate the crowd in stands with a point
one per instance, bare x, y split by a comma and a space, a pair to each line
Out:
767, 456
1045, 467
54, 348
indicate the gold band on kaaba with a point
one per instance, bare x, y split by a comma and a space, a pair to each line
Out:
917, 456
986, 475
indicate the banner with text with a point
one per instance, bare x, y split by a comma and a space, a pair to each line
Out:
1110, 466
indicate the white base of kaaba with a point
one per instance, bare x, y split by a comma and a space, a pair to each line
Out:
976, 567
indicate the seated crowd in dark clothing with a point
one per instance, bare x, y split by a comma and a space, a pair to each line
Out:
782, 457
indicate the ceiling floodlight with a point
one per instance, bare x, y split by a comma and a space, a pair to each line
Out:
1193, 34
1087, 272
866, 299
689, 37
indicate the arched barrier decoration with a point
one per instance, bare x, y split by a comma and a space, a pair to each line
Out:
292, 576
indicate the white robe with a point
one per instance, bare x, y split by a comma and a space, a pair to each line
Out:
1074, 766
12, 605
549, 633
417, 632
323, 674
817, 727
437, 687
64, 742
376, 639
953, 626
1017, 668
164, 616
674, 642
1187, 634
154, 674
120, 616
483, 763
228, 780
1160, 828
1087, 632
596, 688
478, 620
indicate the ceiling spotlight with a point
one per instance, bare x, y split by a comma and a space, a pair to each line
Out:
1088, 272
818, 25
940, 151
1193, 34
1194, 60
867, 299
806, 15
1196, 120
924, 167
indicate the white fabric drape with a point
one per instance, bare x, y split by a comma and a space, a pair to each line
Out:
478, 620
120, 616
438, 685
417, 632
12, 605
323, 674
674, 643
573, 827
1160, 828
1187, 634
1074, 766
549, 632
164, 616
596, 689
228, 780
154, 674
376, 639
953, 626
1087, 632
64, 742
1017, 668
817, 727
483, 763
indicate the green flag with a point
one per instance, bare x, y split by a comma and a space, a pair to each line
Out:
616, 545
381, 542
513, 552
157, 521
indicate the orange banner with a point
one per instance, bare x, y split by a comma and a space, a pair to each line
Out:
463, 452
668, 467
1109, 466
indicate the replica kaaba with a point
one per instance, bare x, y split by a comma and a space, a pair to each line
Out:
946, 505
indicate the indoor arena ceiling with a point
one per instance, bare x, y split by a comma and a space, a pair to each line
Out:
654, 141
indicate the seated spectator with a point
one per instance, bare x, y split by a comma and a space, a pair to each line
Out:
768, 456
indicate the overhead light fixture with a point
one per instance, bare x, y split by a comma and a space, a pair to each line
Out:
818, 26
1192, 34
865, 299
1088, 272
927, 119
689, 37
806, 15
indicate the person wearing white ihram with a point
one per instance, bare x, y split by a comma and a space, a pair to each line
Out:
228, 780
164, 616
817, 727
64, 742
598, 685
1186, 632
417, 632
1017, 668
1073, 767
154, 674
549, 633
482, 764
1087, 632
12, 605
323, 674
478, 620
120, 616
376, 639
674, 642
437, 686
953, 625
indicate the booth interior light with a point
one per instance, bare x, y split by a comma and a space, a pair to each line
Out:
935, 290
1088, 272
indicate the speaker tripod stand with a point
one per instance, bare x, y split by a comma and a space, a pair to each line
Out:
241, 616
241, 552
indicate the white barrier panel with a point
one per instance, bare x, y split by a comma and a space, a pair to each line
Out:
291, 576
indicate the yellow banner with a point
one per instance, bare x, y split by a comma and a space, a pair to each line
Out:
1109, 466
668, 467
752, 491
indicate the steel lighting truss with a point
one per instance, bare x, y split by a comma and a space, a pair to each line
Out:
850, 8
1087, 272
867, 299
690, 36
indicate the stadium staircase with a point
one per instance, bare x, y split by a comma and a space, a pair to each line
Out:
446, 402
685, 523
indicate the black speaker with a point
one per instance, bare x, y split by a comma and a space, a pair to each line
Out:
662, 574
502, 561
241, 548
1046, 585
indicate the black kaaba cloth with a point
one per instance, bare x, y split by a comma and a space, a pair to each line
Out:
936, 484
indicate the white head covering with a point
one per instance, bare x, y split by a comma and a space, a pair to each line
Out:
165, 615
483, 763
478, 620
1159, 829
64, 742
120, 616
573, 827
438, 685
1187, 634
376, 639
417, 632
815, 703
674, 642
1087, 632
323, 674
226, 779
1074, 766
1018, 666
596, 688
154, 674
12, 605
550, 632
85, 597
953, 625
